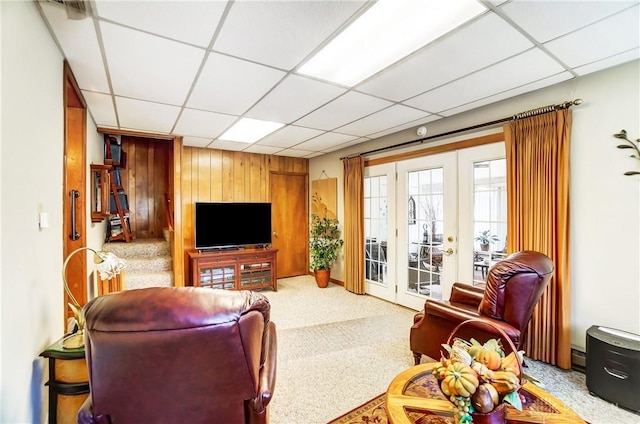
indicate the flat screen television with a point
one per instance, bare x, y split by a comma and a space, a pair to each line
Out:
224, 225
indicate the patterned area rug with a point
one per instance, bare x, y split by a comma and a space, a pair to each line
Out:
372, 412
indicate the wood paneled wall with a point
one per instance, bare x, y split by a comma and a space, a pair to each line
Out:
210, 175
145, 181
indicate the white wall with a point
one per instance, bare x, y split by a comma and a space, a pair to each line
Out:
32, 158
31, 176
605, 204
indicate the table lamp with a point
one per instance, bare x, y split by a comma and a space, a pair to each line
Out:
108, 265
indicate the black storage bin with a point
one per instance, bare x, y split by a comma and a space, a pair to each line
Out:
613, 366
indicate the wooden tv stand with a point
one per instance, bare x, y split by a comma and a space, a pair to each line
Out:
238, 269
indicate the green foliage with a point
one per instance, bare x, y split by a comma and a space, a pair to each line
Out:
324, 242
485, 238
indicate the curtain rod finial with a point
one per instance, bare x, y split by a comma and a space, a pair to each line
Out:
577, 102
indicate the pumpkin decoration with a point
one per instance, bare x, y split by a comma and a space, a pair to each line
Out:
477, 378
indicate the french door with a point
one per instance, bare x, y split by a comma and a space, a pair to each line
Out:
422, 217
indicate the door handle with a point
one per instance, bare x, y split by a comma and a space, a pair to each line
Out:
73, 194
275, 234
448, 252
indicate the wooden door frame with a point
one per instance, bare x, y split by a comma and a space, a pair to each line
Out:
175, 182
77, 269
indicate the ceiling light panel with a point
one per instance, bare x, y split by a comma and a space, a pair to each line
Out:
289, 136
186, 21
307, 94
343, 110
384, 34
546, 20
79, 42
281, 33
523, 69
101, 108
146, 116
248, 130
199, 123
229, 85
390, 117
484, 42
608, 37
150, 68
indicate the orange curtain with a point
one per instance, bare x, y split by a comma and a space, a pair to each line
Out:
537, 150
354, 224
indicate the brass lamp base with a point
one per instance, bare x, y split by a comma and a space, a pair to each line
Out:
74, 341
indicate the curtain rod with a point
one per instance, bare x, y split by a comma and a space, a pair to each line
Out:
521, 115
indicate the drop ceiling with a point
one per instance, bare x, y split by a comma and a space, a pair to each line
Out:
193, 69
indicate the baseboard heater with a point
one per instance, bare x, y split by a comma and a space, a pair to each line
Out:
578, 360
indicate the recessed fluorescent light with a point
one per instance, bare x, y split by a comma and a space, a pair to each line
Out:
384, 34
250, 130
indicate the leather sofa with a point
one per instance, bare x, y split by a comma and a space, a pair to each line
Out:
179, 355
514, 286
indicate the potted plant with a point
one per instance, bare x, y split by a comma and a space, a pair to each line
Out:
485, 238
324, 245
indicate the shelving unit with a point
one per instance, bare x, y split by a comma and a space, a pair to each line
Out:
119, 227
238, 269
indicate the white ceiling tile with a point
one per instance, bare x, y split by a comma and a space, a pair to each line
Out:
289, 136
281, 33
80, 45
609, 62
196, 141
609, 37
307, 94
311, 155
343, 110
344, 145
228, 145
546, 20
522, 69
443, 62
146, 116
101, 108
390, 117
296, 153
564, 76
265, 150
325, 141
199, 123
150, 68
189, 21
397, 128
229, 85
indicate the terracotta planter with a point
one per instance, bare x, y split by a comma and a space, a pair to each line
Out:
322, 277
484, 247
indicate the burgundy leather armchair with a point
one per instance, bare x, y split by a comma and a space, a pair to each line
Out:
179, 355
514, 286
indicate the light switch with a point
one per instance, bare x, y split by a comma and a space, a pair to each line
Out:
44, 220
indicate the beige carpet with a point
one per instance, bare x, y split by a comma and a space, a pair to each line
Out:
337, 350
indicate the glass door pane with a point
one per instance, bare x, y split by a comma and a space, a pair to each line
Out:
489, 216
426, 205
379, 241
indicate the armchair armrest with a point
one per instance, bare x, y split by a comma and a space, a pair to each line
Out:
466, 294
267, 378
85, 414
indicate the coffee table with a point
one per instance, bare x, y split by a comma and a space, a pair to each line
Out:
414, 396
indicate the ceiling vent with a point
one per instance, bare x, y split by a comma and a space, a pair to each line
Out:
76, 9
